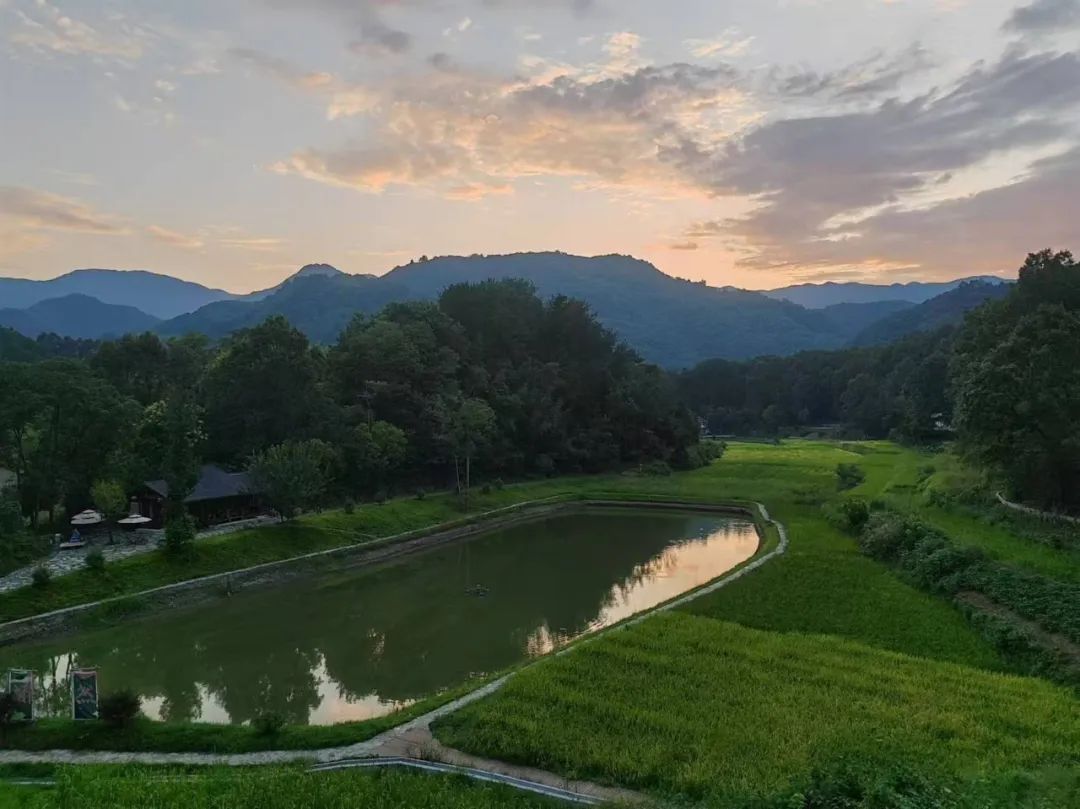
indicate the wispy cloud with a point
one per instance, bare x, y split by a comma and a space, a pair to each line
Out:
1045, 16
173, 238
41, 210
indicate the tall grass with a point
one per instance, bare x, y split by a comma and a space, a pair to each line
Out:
263, 788
701, 708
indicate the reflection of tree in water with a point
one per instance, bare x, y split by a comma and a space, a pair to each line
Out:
401, 632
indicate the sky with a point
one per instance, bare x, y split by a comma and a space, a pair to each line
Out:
755, 143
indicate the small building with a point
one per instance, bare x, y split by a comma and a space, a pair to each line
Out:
218, 497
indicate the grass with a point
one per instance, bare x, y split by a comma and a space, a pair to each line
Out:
692, 706
190, 737
905, 479
262, 788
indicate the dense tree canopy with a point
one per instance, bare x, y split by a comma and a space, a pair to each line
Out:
490, 381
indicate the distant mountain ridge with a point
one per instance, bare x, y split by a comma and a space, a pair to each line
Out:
947, 309
673, 322
77, 316
818, 296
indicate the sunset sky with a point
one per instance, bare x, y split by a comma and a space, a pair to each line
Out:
752, 143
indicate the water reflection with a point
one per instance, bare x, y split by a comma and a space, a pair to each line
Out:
363, 644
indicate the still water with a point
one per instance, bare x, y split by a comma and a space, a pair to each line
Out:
364, 643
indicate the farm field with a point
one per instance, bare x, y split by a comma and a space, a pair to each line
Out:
691, 706
261, 788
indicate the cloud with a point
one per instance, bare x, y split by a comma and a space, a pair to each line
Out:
173, 238
46, 29
730, 43
29, 208
1043, 16
454, 128
472, 192
255, 244
683, 246
876, 75
819, 180
281, 69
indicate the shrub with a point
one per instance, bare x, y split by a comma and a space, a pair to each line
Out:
41, 577
179, 533
848, 476
95, 561
421, 493
485, 489
545, 465
655, 469
269, 723
350, 505
498, 484
381, 497
7, 710
119, 709
854, 514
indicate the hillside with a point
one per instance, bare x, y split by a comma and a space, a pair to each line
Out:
161, 296
944, 310
78, 316
16, 348
819, 296
318, 304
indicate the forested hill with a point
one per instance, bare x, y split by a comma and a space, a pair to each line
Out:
672, 322
78, 316
944, 310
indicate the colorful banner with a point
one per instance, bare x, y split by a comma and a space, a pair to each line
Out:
84, 695
20, 684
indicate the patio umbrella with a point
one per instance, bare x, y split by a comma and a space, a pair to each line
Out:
88, 517
134, 520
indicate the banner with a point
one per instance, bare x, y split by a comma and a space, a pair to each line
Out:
84, 695
20, 684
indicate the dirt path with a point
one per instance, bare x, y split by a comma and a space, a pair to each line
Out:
1060, 644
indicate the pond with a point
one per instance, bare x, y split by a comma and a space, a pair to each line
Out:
366, 642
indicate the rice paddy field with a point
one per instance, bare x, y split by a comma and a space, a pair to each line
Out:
260, 788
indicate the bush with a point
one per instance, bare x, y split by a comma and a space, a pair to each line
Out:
41, 577
848, 476
268, 724
7, 710
119, 709
854, 513
95, 561
421, 493
381, 497
485, 489
498, 484
179, 533
655, 469
350, 505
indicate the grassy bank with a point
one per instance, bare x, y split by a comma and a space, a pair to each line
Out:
204, 737
262, 788
696, 707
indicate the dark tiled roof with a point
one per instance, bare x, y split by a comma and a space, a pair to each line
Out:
214, 484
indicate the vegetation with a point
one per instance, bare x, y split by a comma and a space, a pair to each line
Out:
702, 708
119, 709
262, 788
293, 475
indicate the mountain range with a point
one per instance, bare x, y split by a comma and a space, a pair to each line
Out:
673, 322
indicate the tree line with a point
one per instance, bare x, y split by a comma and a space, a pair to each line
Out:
1005, 385
488, 381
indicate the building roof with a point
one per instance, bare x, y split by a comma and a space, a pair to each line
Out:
214, 484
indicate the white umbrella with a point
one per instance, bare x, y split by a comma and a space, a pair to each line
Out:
134, 519
88, 517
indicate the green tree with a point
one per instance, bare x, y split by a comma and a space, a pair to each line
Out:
376, 452
1016, 383
293, 475
469, 427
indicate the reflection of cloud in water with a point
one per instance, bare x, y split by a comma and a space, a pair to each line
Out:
682, 566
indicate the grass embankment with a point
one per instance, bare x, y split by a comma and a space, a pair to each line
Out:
687, 705
933, 487
262, 788
204, 737
308, 534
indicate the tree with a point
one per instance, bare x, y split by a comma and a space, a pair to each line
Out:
262, 389
110, 499
376, 452
1016, 383
469, 426
293, 475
